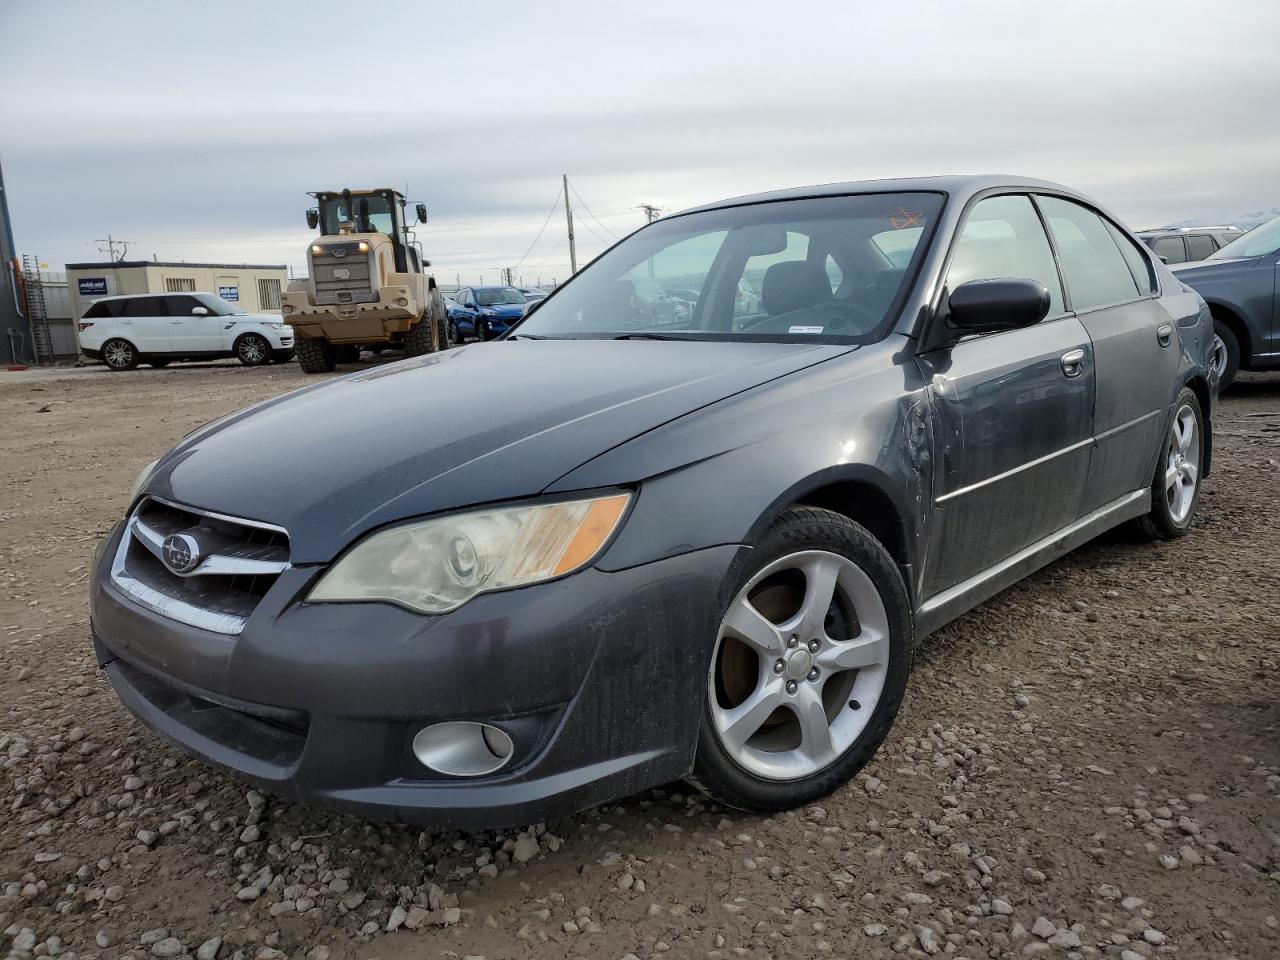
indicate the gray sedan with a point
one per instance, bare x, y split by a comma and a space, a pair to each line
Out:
705, 548
1241, 284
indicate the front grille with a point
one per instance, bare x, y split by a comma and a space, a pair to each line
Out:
237, 563
345, 278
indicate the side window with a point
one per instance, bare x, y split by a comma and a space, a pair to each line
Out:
1095, 270
182, 306
143, 307
96, 311
1170, 249
1199, 246
1139, 265
1004, 239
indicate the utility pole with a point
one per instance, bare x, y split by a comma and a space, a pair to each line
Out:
650, 211
568, 215
110, 249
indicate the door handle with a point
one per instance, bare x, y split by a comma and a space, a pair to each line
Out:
1073, 363
1164, 333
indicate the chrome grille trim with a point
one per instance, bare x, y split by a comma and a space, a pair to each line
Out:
225, 610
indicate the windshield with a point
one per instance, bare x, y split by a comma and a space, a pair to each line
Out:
833, 267
218, 306
1258, 242
497, 296
366, 215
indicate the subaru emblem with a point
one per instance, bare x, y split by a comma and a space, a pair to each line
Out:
181, 553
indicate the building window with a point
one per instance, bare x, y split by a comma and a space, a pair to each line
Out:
179, 285
268, 294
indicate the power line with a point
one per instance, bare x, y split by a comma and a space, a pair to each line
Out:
651, 212
554, 203
593, 216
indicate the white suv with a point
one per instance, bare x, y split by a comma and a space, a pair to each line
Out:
157, 328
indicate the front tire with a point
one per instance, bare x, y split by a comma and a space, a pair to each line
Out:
809, 668
315, 356
1226, 353
119, 354
1175, 488
418, 340
253, 350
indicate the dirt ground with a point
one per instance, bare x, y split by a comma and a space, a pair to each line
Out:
1088, 765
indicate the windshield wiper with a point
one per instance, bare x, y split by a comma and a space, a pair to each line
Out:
650, 336
532, 336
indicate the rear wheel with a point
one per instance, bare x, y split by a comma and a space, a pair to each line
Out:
1226, 353
253, 350
119, 354
809, 668
1175, 489
315, 356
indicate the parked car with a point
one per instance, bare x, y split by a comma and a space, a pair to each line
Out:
532, 293
1241, 284
517, 581
159, 328
483, 313
1185, 244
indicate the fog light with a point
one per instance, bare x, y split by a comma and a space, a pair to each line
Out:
402, 302
462, 749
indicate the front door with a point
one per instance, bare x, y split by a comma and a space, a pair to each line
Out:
192, 333
1013, 411
1135, 345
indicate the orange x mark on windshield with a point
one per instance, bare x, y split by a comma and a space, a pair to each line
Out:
904, 219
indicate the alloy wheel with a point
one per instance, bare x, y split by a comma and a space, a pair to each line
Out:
799, 666
1182, 463
118, 354
253, 350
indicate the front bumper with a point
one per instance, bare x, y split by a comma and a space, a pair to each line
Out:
598, 678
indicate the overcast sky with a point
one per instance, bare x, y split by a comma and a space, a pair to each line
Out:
194, 130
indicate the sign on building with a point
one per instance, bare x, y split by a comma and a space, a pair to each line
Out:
93, 286
229, 293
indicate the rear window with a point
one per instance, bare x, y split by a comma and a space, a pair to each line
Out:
144, 307
1199, 246
100, 309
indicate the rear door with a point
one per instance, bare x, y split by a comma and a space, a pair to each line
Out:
1013, 411
1111, 287
144, 322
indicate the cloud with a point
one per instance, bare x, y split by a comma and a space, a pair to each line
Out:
196, 131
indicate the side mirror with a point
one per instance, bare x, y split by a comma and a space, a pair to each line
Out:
422, 212
1163, 258
984, 306
199, 311
313, 218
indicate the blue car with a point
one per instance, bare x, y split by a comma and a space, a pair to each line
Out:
482, 313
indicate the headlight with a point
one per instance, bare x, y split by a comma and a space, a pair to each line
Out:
143, 477
276, 326
317, 249
438, 565
364, 246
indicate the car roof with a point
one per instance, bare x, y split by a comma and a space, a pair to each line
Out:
961, 186
162, 293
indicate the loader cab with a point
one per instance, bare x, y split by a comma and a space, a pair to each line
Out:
370, 211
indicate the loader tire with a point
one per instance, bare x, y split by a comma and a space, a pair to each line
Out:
315, 356
418, 340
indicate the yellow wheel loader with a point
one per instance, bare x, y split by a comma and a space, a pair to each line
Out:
367, 284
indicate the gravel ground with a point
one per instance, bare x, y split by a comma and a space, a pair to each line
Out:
1087, 765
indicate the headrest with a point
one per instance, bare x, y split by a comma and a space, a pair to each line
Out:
793, 285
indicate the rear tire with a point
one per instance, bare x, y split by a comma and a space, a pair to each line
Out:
1226, 353
1175, 488
253, 350
418, 339
315, 356
119, 354
809, 668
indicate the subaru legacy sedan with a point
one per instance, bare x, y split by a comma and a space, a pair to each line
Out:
701, 549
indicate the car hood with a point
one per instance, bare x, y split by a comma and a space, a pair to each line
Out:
474, 425
506, 309
1200, 267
